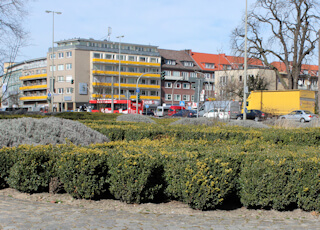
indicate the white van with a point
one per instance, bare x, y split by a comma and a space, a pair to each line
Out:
162, 111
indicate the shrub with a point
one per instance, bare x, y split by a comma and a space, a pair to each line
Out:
7, 160
268, 181
83, 172
31, 170
135, 177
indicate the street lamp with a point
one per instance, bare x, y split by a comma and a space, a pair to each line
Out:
52, 59
245, 67
119, 60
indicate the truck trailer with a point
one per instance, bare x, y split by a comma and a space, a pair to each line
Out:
282, 101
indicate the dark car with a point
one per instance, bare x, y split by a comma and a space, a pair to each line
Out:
148, 113
185, 113
253, 114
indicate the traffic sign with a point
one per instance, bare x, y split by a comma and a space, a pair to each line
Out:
147, 106
182, 103
138, 90
49, 94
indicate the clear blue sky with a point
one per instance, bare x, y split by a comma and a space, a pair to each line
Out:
203, 25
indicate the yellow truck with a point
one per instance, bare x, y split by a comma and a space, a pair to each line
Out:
282, 101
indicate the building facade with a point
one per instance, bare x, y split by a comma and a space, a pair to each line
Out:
88, 69
179, 68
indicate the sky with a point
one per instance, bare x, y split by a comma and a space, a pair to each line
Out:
202, 26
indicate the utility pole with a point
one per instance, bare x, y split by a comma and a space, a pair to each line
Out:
245, 68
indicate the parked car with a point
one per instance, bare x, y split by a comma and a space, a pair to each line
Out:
253, 114
185, 113
300, 115
148, 113
212, 113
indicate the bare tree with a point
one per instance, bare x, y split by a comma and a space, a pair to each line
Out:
281, 30
12, 36
234, 89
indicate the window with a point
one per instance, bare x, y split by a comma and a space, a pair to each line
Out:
209, 65
44, 71
186, 85
69, 54
96, 55
108, 56
192, 97
168, 84
144, 81
153, 93
153, 60
188, 63
132, 58
54, 68
68, 78
60, 55
69, 90
168, 97
177, 85
185, 75
54, 56
170, 62
60, 79
142, 59
68, 66
177, 97
207, 75
60, 90
131, 81
122, 57
167, 73
60, 67
153, 82
176, 73
193, 74
186, 97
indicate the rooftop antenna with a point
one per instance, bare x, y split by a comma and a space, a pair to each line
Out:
109, 32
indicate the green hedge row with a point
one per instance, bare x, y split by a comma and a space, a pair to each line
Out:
203, 174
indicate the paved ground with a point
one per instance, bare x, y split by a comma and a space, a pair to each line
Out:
24, 214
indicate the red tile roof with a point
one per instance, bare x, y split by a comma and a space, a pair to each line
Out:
312, 69
221, 60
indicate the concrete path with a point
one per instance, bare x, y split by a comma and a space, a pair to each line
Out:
23, 214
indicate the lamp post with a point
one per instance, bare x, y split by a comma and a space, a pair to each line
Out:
52, 59
119, 60
245, 67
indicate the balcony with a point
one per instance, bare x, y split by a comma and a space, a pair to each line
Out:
33, 87
30, 77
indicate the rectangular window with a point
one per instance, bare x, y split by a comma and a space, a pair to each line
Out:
54, 68
188, 63
60, 67
186, 85
209, 65
68, 66
122, 57
131, 80
69, 90
193, 74
176, 73
153, 82
68, 78
60, 90
96, 55
207, 75
185, 75
168, 97
153, 93
177, 97
54, 56
168, 84
170, 62
69, 54
186, 97
60, 55
177, 85
144, 81
142, 59
108, 56
44, 71
132, 58
153, 60
167, 73
60, 79
144, 92
192, 97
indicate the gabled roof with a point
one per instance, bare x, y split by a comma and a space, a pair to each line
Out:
179, 57
222, 60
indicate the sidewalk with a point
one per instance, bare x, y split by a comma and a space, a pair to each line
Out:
24, 214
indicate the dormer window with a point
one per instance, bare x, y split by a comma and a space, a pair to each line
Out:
209, 65
170, 62
188, 63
